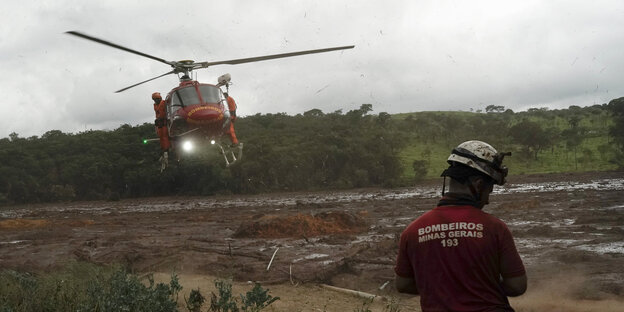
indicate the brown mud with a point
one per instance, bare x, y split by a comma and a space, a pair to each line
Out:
569, 230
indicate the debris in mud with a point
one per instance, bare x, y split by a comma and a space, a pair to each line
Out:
528, 204
38, 223
22, 223
302, 225
541, 230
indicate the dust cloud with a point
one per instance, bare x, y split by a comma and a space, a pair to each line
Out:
568, 292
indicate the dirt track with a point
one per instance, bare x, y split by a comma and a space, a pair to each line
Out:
568, 228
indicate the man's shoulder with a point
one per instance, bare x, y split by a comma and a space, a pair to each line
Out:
473, 213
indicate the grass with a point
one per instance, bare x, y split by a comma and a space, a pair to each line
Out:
595, 153
553, 160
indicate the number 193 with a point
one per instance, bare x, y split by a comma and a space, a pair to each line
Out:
450, 242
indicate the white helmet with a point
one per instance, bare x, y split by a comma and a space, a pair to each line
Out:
482, 157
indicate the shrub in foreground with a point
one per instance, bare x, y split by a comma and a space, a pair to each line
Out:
85, 287
88, 287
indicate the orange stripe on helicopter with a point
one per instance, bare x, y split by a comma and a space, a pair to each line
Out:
203, 119
196, 109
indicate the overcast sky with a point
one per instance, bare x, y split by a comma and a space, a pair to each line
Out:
409, 56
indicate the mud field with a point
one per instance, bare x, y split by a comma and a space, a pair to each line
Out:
569, 230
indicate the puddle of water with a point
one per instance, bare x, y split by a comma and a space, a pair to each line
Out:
617, 207
311, 257
541, 243
371, 238
554, 224
13, 242
603, 248
603, 185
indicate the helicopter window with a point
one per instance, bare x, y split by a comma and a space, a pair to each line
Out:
211, 94
184, 97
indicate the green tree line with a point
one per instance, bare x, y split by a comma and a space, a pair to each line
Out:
309, 151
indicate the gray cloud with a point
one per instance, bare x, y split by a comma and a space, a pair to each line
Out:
409, 56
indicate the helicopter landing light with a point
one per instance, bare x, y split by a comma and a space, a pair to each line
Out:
187, 146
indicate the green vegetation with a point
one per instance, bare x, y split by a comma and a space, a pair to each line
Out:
253, 301
309, 151
87, 287
542, 140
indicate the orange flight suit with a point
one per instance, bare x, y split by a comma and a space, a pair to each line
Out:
161, 125
232, 109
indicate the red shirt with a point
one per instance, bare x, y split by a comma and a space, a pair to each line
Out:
456, 255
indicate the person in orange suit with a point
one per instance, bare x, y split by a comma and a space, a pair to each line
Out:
161, 122
232, 108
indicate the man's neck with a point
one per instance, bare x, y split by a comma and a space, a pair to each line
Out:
458, 199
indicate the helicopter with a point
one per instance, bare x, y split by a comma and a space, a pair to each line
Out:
197, 113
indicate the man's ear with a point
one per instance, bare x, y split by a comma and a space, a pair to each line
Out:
479, 183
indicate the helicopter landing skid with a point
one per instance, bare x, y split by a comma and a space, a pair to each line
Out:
235, 158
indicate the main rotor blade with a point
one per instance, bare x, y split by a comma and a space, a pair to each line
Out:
142, 82
270, 57
110, 44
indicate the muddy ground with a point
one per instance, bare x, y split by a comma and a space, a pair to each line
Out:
569, 230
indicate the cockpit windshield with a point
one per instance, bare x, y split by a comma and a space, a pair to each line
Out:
185, 97
188, 96
211, 94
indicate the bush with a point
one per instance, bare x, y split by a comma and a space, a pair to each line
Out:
195, 301
85, 287
253, 301
124, 292
257, 299
420, 169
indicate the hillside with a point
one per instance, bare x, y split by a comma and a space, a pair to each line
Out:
309, 151
541, 140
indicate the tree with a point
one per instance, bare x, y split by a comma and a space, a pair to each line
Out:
495, 109
573, 139
420, 169
383, 119
314, 113
531, 135
616, 107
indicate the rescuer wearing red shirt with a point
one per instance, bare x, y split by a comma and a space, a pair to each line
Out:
160, 108
457, 257
232, 108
